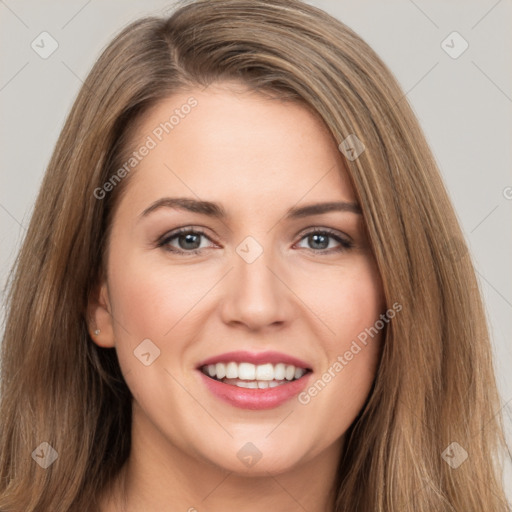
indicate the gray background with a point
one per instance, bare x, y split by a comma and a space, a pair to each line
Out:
464, 106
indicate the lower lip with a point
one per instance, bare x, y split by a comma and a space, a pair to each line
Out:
256, 399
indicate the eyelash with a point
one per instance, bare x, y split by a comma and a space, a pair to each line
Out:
166, 239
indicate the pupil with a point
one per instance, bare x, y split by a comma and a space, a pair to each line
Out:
315, 238
319, 241
189, 238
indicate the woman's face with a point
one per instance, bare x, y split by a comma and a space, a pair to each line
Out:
256, 281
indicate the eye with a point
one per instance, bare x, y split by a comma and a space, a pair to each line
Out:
320, 241
187, 239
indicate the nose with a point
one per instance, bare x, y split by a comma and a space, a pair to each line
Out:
256, 295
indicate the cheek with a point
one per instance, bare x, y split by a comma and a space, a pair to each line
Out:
150, 299
358, 329
351, 306
347, 301
152, 302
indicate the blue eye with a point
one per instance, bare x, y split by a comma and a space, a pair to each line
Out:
189, 241
320, 239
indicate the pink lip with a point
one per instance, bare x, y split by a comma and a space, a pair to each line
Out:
255, 399
241, 356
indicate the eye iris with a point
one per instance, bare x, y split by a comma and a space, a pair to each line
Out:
191, 241
189, 238
315, 238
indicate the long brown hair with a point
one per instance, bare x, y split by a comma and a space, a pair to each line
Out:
435, 383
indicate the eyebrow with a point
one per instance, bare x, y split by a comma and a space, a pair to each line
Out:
216, 210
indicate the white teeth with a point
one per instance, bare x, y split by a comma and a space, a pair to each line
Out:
279, 371
220, 369
246, 371
299, 372
249, 372
231, 371
253, 384
290, 372
265, 372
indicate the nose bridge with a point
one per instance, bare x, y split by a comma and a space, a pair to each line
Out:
255, 296
252, 262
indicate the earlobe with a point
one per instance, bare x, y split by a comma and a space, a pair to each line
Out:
100, 322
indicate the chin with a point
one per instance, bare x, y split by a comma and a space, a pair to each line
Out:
249, 460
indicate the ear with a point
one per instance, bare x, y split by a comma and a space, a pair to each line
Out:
100, 318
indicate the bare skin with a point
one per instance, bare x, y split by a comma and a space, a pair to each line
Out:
258, 158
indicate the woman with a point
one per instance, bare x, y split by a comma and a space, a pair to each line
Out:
320, 346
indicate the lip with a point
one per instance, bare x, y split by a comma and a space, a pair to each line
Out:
255, 399
242, 356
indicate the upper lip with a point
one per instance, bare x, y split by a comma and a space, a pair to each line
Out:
241, 356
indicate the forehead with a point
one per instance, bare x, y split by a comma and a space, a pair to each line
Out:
226, 143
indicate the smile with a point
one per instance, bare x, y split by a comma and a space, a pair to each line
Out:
256, 381
251, 376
